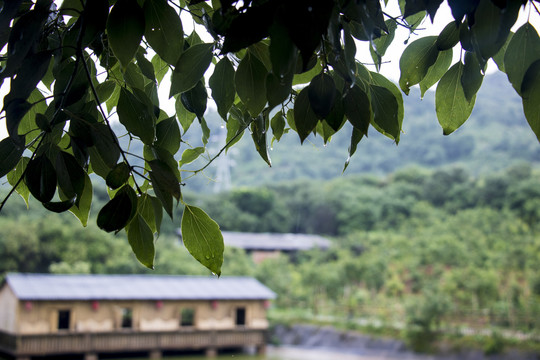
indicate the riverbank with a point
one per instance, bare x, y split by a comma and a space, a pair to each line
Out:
328, 339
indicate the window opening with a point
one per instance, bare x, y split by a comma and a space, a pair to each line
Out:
240, 316
63, 319
127, 318
187, 317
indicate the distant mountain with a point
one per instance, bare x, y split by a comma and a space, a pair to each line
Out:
495, 136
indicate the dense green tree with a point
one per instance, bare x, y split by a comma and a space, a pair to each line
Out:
70, 67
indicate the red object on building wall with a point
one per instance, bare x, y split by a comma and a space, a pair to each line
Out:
266, 304
95, 305
215, 304
28, 305
159, 304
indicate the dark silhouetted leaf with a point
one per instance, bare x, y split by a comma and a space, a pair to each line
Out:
357, 109
164, 30
69, 174
125, 29
117, 213
168, 135
40, 178
165, 184
190, 68
149, 207
250, 82
118, 176
136, 117
202, 237
59, 206
472, 77
10, 153
222, 85
305, 118
321, 93
194, 100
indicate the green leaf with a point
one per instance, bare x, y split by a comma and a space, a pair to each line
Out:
258, 134
82, 206
277, 90
70, 175
118, 176
105, 146
305, 118
203, 239
14, 176
160, 68
125, 29
436, 71
141, 239
105, 90
449, 37
194, 100
278, 125
530, 90
149, 207
134, 77
185, 117
190, 155
222, 84
190, 68
472, 77
452, 107
499, 57
136, 117
165, 184
379, 46
11, 154
416, 60
307, 76
163, 30
358, 109
117, 213
380, 80
522, 51
40, 178
491, 27
146, 67
250, 83
234, 131
356, 136
168, 135
336, 119
321, 94
385, 111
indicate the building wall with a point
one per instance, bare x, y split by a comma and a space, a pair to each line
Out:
106, 316
8, 310
260, 255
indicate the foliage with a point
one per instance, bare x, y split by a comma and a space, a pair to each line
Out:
70, 68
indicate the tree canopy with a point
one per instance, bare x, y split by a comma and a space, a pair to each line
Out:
74, 67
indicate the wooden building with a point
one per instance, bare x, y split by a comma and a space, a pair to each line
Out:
43, 314
270, 245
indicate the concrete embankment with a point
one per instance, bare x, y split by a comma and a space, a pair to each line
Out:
348, 342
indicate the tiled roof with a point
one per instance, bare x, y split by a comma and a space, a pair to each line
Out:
268, 241
135, 287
